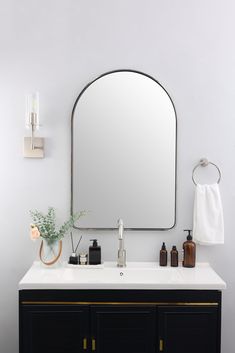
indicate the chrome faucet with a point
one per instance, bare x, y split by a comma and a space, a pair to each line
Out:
121, 260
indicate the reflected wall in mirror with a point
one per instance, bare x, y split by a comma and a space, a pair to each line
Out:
124, 153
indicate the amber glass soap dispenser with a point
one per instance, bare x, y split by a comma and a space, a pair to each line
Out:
189, 251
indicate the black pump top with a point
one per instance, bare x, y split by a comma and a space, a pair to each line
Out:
189, 236
163, 246
95, 243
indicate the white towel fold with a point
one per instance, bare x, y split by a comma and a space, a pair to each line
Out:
208, 220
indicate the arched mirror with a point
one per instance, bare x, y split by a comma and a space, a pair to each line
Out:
124, 153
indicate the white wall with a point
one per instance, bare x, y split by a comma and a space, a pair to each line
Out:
56, 47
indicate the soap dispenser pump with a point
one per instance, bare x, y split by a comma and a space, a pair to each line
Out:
189, 251
94, 253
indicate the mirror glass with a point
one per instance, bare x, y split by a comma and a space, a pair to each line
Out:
124, 153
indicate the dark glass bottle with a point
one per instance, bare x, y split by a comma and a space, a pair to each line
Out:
174, 257
94, 253
163, 255
189, 249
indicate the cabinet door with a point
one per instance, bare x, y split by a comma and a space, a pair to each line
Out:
54, 328
125, 329
188, 330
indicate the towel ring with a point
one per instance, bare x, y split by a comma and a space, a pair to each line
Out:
204, 163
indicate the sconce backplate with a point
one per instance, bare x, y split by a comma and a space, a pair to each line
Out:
38, 151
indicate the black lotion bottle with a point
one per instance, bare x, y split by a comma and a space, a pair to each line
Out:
94, 253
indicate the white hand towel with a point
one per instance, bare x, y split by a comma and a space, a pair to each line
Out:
208, 220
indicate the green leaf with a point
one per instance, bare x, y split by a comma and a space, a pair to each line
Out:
47, 224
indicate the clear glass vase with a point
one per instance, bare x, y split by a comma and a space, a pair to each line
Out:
50, 252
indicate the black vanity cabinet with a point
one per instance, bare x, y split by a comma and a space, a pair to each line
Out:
188, 329
125, 329
114, 321
54, 328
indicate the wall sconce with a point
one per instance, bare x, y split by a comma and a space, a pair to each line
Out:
33, 146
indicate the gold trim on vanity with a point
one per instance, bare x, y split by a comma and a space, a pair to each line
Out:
119, 303
93, 344
161, 345
84, 343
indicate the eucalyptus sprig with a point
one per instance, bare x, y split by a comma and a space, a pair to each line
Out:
46, 224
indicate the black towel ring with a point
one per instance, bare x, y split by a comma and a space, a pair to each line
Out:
204, 163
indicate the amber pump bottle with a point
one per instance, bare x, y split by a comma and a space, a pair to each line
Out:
189, 251
163, 255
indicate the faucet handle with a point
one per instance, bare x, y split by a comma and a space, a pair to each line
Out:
121, 228
120, 222
121, 251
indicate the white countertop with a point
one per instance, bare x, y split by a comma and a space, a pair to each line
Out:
137, 275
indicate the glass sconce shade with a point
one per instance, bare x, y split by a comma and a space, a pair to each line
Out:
32, 110
33, 146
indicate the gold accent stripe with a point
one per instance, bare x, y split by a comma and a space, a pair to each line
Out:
118, 303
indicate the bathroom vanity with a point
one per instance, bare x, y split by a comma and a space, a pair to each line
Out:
142, 308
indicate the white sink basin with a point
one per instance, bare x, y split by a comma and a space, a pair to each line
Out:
126, 275
137, 275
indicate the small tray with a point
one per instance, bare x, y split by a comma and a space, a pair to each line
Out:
85, 267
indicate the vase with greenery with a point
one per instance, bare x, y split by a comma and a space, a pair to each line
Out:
44, 227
